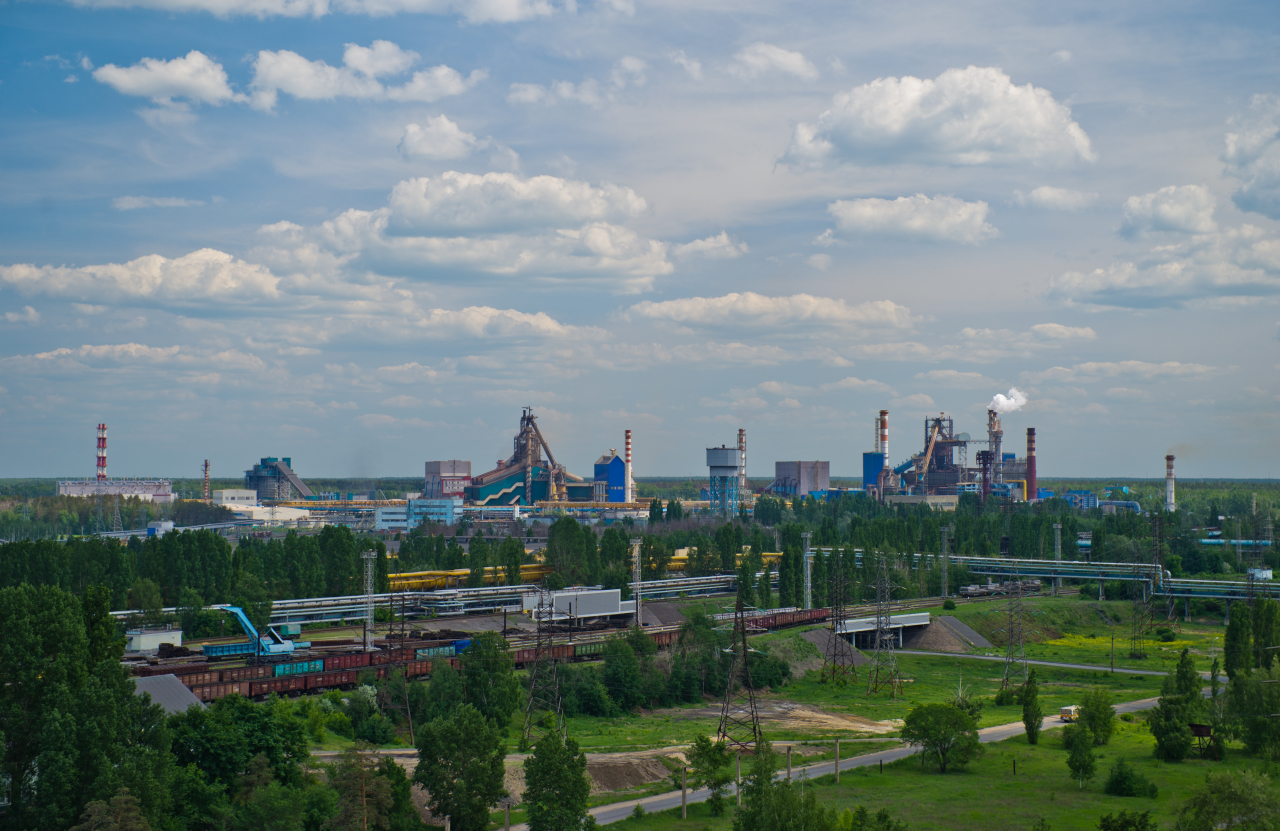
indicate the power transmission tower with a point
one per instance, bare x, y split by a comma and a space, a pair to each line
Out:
396, 693
117, 524
635, 568
542, 715
838, 662
368, 556
739, 720
99, 523
1015, 652
1143, 587
884, 663
808, 571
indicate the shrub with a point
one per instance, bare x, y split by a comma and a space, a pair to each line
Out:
949, 605
1125, 821
1125, 781
1008, 696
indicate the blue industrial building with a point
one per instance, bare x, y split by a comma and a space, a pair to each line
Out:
611, 479
872, 464
446, 511
1082, 499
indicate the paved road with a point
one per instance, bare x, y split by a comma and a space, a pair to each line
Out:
606, 814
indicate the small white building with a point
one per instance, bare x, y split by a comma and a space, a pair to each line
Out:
149, 640
232, 497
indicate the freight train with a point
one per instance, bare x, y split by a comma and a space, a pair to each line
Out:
341, 672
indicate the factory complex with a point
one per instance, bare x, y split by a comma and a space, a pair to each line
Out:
530, 483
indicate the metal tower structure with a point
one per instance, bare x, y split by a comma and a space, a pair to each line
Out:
1015, 651
208, 496
946, 560
1143, 593
808, 571
542, 714
884, 663
117, 524
396, 692
1057, 554
369, 557
838, 662
635, 575
739, 720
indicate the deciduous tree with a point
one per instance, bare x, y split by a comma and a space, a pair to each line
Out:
460, 766
556, 785
943, 733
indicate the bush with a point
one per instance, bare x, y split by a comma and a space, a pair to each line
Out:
1008, 696
949, 605
768, 671
1125, 821
1125, 781
376, 729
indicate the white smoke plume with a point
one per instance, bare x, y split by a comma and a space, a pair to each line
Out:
1007, 404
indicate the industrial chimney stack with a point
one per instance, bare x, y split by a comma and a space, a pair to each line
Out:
1169, 503
1032, 485
629, 488
102, 452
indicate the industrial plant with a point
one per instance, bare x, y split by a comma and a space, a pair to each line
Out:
530, 481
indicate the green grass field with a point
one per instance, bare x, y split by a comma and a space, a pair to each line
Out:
1075, 630
987, 794
927, 679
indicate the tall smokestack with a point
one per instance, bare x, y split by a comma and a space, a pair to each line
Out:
1169, 503
1032, 488
742, 462
102, 452
629, 488
994, 437
884, 436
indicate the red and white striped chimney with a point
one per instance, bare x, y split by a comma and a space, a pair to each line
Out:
629, 488
102, 452
1169, 503
884, 435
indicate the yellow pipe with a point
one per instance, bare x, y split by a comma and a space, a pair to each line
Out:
456, 578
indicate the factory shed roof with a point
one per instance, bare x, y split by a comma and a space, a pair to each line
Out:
167, 691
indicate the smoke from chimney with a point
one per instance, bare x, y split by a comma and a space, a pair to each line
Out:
1016, 400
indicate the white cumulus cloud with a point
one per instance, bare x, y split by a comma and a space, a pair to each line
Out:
965, 116
195, 77
189, 280
1252, 154
1056, 199
749, 308
765, 58
453, 202
440, 139
27, 315
1056, 331
1186, 208
937, 218
719, 247
1097, 370
359, 76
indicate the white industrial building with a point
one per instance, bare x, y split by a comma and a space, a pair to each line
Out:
233, 497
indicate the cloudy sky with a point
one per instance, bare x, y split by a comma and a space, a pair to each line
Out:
364, 233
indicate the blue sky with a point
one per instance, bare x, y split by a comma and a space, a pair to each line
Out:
364, 233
